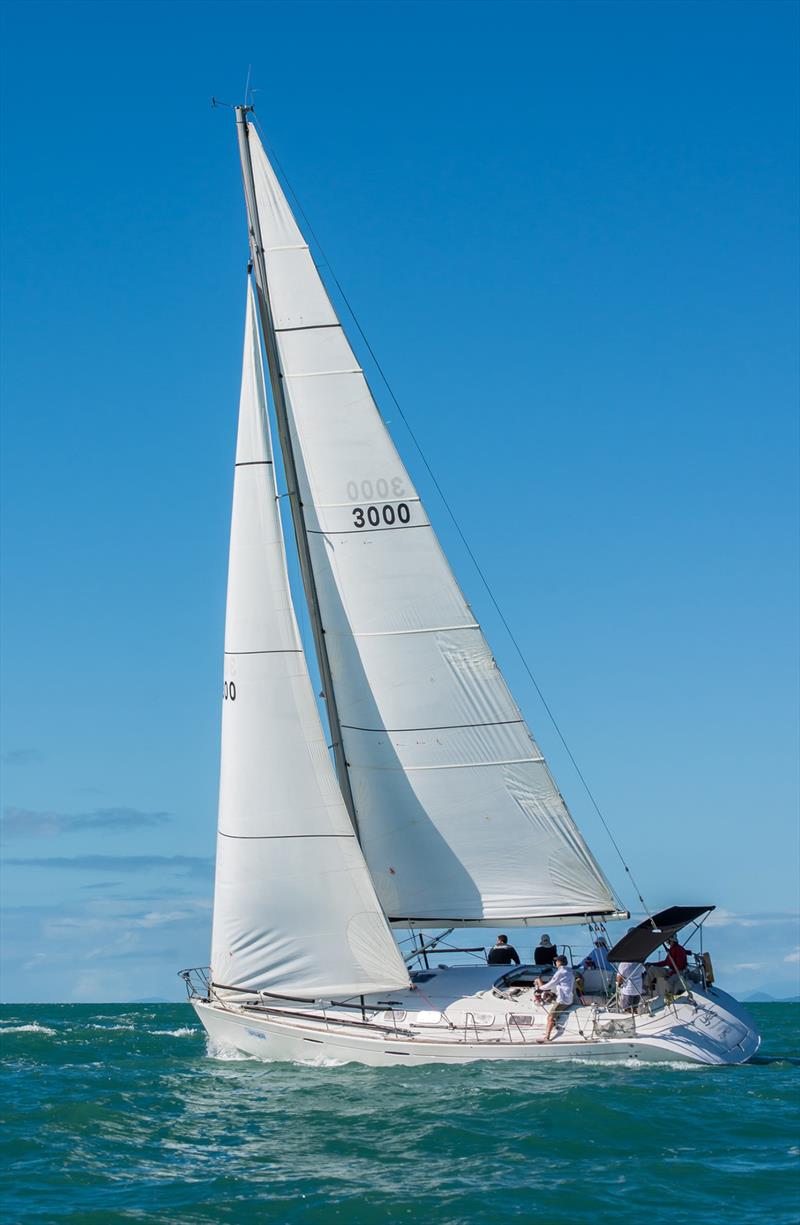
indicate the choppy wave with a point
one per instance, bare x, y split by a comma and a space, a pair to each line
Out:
33, 1027
227, 1054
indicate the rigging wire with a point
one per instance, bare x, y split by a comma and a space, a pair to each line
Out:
453, 518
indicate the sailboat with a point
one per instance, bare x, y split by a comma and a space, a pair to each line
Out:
432, 809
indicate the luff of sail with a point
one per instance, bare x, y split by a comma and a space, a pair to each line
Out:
295, 911
459, 817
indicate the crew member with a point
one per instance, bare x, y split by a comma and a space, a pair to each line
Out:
503, 953
545, 954
630, 982
563, 984
677, 957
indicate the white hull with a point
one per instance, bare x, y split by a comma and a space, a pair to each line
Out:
710, 1028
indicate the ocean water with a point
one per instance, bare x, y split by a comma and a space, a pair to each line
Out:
119, 1113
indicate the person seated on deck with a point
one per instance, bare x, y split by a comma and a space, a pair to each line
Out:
630, 979
545, 954
676, 960
666, 976
503, 953
563, 984
598, 958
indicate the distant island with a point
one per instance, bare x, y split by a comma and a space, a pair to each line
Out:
759, 997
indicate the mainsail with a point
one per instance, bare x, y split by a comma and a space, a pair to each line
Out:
459, 818
295, 911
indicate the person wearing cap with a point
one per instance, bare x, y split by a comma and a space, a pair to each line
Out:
598, 958
503, 953
545, 954
563, 984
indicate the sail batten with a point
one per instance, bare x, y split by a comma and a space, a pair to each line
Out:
458, 815
295, 911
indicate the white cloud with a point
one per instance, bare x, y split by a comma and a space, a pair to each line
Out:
727, 918
26, 823
157, 918
794, 957
70, 925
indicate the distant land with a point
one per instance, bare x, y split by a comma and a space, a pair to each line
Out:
758, 997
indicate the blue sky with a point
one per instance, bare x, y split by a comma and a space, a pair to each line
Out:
570, 231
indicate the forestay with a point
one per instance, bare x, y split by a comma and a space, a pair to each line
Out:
459, 817
295, 911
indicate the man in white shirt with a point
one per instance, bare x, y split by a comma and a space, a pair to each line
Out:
563, 984
630, 979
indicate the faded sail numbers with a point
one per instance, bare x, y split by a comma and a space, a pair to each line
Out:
376, 489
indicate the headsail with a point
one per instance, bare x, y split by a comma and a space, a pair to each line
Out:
295, 911
459, 817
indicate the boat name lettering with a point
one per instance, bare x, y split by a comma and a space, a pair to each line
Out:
372, 516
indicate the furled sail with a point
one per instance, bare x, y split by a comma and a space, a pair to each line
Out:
295, 911
459, 818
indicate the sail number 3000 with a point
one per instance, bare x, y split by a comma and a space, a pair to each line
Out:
375, 516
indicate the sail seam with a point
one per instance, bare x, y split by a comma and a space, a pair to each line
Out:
280, 651
403, 497
307, 327
445, 727
432, 629
452, 765
319, 374
291, 246
278, 837
252, 463
362, 531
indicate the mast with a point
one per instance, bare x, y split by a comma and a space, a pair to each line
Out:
284, 435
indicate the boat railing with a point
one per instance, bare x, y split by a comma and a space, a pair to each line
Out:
197, 981
416, 948
470, 1016
199, 986
330, 1019
512, 1020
